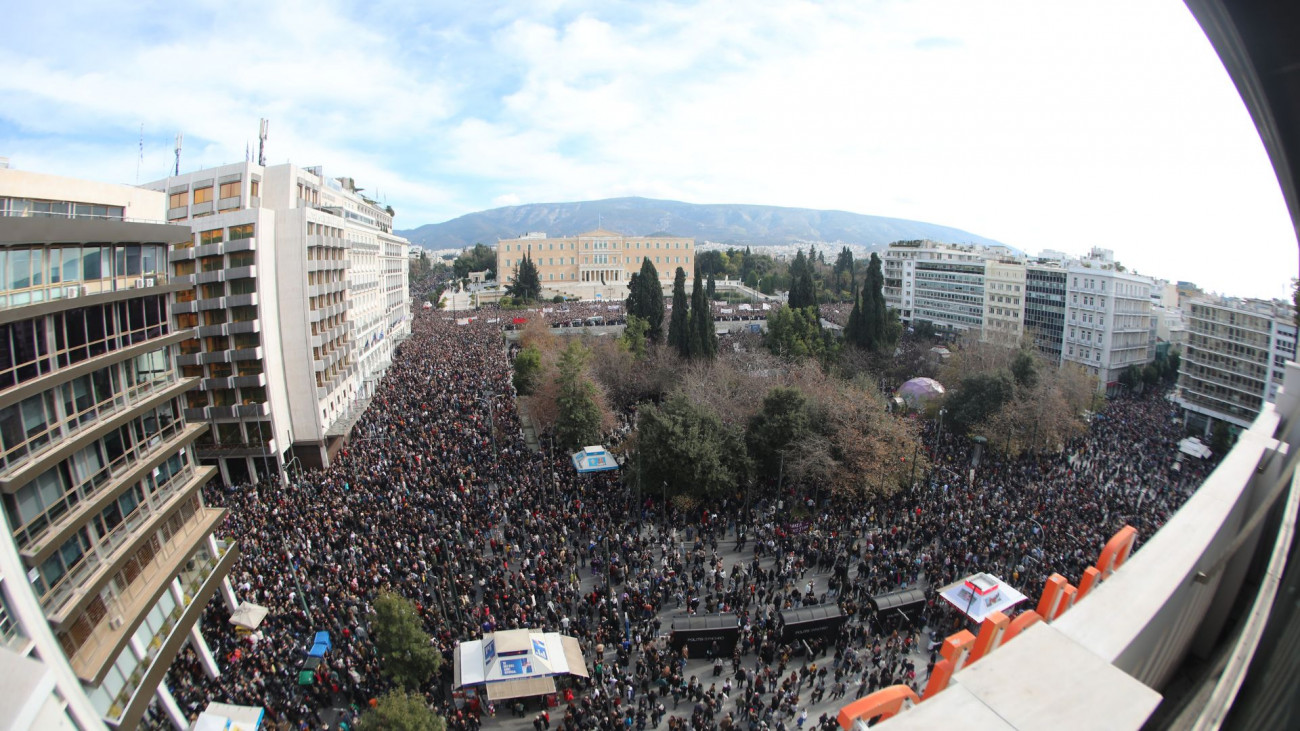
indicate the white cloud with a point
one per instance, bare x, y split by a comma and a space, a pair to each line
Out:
1045, 125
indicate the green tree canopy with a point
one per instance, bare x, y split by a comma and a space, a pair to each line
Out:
579, 418
703, 337
685, 445
679, 336
795, 333
406, 655
528, 370
645, 299
802, 291
477, 259
526, 286
634, 336
782, 422
980, 396
1024, 368
401, 711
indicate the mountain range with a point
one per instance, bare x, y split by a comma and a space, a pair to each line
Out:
715, 222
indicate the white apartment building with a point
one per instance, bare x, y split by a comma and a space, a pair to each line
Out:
294, 274
1107, 318
1004, 301
108, 554
941, 283
1234, 359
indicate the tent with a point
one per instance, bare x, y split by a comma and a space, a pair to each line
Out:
594, 459
248, 615
227, 717
517, 663
1194, 447
918, 391
979, 595
320, 645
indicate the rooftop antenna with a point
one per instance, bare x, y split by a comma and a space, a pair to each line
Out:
179, 138
139, 160
261, 141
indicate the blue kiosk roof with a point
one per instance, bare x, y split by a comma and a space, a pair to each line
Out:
594, 459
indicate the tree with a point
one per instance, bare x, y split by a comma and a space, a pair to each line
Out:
1024, 368
796, 333
782, 421
679, 336
1220, 438
579, 420
711, 289
684, 445
528, 370
876, 332
526, 285
406, 654
478, 259
401, 711
703, 337
645, 299
844, 269
634, 336
802, 293
980, 396
711, 262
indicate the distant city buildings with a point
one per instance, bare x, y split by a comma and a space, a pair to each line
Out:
595, 263
1087, 311
107, 553
298, 289
1235, 358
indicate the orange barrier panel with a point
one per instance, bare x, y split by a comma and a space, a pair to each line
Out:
1116, 551
884, 703
1020, 624
1052, 593
990, 636
1091, 577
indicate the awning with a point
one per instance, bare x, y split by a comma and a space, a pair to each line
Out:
226, 717
507, 689
573, 655
248, 615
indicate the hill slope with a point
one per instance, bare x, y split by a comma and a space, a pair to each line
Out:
720, 222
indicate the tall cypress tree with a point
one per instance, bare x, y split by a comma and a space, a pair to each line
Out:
704, 342
800, 283
853, 329
645, 299
679, 336
876, 290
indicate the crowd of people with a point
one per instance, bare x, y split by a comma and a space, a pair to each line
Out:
436, 497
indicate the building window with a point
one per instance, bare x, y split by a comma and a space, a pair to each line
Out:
203, 195
230, 190
254, 187
238, 233
215, 236
178, 200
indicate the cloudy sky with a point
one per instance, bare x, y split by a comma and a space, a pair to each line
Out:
1059, 125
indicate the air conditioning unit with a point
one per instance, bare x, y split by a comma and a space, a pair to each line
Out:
115, 622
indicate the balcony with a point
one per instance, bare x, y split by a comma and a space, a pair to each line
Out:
209, 571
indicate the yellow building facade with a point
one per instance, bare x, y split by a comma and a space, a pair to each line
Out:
599, 257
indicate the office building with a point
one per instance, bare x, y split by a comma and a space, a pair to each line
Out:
108, 555
1234, 359
594, 263
298, 288
1045, 285
939, 283
1108, 317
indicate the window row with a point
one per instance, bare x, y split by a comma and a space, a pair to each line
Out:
34, 208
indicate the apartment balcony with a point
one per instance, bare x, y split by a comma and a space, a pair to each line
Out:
200, 573
218, 275
127, 471
213, 384
241, 300
244, 327
176, 254
237, 411
247, 272
249, 244
69, 597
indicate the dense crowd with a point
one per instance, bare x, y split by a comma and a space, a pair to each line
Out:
436, 497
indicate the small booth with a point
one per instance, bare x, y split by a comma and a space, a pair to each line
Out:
697, 634
980, 595
898, 606
515, 663
227, 717
817, 622
594, 459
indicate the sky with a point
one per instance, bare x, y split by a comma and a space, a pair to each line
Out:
1044, 125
